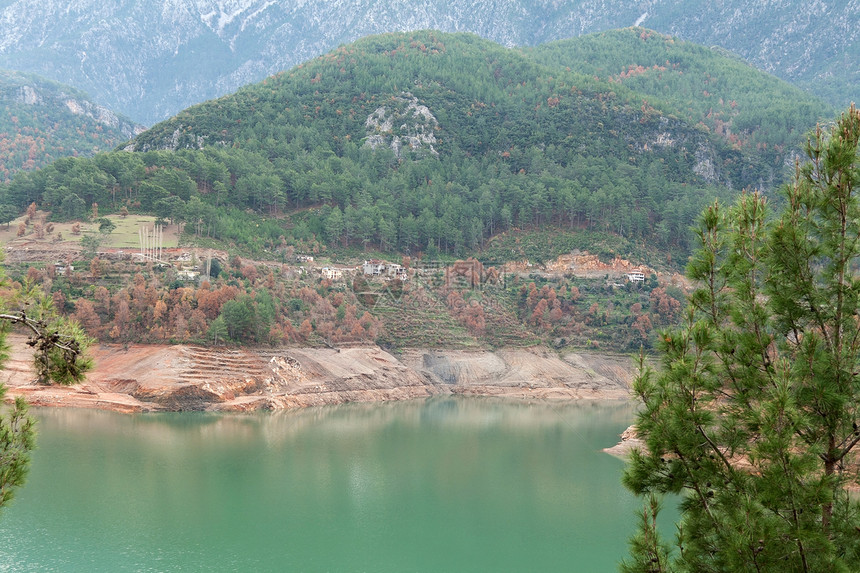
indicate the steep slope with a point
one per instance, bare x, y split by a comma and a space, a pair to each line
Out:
151, 59
495, 101
44, 120
450, 113
751, 110
435, 94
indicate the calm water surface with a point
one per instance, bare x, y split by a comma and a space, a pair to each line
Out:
439, 485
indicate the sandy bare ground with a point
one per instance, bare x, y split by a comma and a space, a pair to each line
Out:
183, 377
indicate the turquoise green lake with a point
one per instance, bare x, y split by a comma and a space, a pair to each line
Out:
447, 484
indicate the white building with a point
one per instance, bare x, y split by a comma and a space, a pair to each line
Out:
392, 269
399, 273
373, 267
402, 275
187, 274
332, 274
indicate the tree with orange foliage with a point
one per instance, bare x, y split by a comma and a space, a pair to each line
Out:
305, 329
664, 306
95, 267
539, 312
474, 318
87, 317
159, 311
249, 272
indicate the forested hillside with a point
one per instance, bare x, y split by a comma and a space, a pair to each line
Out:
423, 147
412, 142
711, 88
42, 120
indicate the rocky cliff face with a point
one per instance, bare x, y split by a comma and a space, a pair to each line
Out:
151, 59
403, 122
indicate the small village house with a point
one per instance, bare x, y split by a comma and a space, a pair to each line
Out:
373, 267
332, 273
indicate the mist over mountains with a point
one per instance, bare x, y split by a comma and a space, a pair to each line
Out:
149, 60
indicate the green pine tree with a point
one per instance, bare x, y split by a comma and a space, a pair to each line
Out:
753, 417
59, 357
17, 438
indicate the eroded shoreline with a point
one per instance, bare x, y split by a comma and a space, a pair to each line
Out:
147, 378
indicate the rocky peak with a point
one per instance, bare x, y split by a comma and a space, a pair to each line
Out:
403, 122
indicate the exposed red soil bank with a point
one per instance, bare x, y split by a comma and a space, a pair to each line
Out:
183, 377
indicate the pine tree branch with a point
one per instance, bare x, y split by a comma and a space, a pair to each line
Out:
39, 329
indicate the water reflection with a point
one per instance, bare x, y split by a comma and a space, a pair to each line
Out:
442, 484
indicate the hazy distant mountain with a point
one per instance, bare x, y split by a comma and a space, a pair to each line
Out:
43, 120
151, 59
812, 44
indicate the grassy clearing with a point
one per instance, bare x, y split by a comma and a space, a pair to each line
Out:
124, 236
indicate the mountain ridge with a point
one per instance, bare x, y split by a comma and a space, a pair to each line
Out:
711, 88
150, 60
